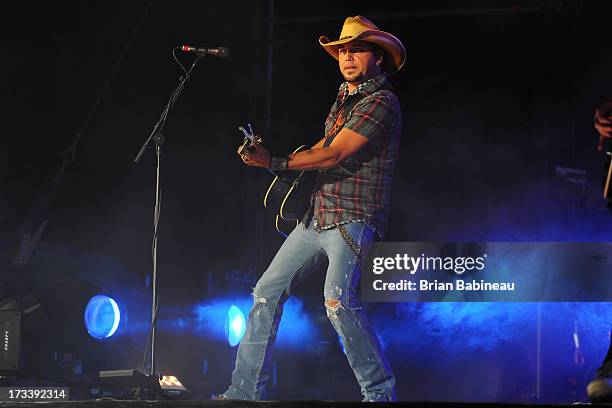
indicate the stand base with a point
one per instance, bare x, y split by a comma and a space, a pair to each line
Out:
134, 383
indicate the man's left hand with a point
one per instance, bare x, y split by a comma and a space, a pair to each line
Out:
258, 157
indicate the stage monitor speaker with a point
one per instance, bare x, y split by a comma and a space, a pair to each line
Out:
20, 316
10, 358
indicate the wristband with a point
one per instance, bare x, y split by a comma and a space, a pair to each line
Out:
278, 163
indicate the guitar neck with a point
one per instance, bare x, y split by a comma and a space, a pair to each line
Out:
608, 178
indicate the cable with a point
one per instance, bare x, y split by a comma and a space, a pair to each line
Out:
144, 360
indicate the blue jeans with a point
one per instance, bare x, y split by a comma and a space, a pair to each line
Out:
304, 250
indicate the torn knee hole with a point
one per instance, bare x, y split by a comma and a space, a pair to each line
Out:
332, 304
259, 299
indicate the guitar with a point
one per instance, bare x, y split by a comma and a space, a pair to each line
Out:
603, 124
607, 193
288, 196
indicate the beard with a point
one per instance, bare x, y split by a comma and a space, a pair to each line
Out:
354, 78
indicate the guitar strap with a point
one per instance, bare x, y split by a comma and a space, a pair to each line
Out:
344, 113
607, 193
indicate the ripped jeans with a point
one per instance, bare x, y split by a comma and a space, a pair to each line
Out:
304, 250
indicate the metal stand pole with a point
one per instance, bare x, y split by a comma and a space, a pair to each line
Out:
157, 137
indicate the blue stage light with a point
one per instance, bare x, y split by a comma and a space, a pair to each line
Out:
235, 325
102, 317
210, 319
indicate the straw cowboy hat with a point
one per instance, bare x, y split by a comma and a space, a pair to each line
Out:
360, 28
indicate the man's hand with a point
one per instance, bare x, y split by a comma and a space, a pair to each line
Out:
258, 156
603, 123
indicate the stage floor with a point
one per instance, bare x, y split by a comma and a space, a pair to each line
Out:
113, 403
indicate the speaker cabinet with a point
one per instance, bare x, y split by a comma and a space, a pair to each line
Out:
10, 341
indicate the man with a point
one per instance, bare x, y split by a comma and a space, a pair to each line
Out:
600, 388
348, 209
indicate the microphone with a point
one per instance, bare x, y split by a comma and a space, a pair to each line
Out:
222, 52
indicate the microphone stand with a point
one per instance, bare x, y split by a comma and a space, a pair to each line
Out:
157, 138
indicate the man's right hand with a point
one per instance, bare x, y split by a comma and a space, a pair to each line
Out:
603, 123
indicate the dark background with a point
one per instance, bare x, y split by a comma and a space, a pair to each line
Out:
495, 95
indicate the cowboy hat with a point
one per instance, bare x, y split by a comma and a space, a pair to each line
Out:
360, 28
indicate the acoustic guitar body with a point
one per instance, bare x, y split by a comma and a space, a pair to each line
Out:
288, 196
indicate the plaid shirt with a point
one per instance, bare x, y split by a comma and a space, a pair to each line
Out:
359, 188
